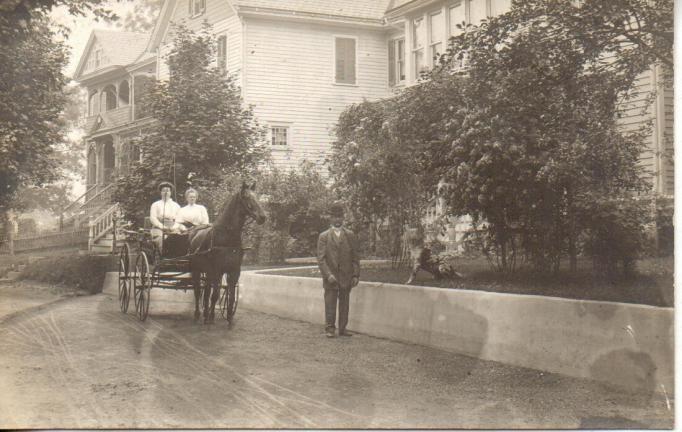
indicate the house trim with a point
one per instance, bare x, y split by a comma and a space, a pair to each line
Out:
407, 8
311, 17
86, 51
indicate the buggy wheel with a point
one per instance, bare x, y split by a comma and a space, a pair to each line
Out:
124, 284
226, 312
143, 285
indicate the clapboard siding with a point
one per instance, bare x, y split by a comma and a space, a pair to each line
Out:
640, 110
669, 169
218, 14
289, 74
230, 26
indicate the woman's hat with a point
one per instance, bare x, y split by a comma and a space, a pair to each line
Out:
165, 184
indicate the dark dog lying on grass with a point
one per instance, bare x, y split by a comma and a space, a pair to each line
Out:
437, 265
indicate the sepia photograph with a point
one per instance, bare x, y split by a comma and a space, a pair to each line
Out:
337, 214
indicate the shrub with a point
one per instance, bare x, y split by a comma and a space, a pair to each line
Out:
665, 228
616, 237
81, 272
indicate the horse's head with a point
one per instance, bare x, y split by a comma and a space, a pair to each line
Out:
250, 203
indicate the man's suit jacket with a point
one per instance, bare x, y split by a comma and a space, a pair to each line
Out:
338, 256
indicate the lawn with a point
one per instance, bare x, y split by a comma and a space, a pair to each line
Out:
652, 284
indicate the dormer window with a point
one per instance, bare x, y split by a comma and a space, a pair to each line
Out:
96, 59
196, 7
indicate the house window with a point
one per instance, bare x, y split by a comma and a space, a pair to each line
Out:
196, 7
98, 58
396, 61
279, 136
436, 32
222, 53
499, 7
457, 16
418, 38
345, 65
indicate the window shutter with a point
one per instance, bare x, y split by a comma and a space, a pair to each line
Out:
340, 60
189, 7
345, 60
222, 53
350, 61
391, 63
203, 5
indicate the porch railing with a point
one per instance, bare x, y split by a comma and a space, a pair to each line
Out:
69, 213
103, 196
102, 225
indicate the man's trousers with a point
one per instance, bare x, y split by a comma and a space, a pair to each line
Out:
332, 296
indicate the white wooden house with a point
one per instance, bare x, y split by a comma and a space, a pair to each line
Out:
300, 63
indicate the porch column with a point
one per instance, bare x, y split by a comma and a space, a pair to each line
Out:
118, 143
131, 95
100, 163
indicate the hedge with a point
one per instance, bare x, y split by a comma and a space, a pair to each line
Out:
81, 272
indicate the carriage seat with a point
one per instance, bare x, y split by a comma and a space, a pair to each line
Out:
175, 245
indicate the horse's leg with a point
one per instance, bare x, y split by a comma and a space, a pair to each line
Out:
215, 293
232, 279
207, 294
196, 282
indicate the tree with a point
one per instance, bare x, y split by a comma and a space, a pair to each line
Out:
534, 147
143, 16
637, 32
31, 102
374, 168
32, 95
201, 132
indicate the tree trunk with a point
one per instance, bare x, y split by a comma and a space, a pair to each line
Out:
573, 252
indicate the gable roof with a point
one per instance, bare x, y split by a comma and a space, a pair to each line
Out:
121, 48
367, 9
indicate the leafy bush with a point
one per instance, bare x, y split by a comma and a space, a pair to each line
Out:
82, 272
295, 203
616, 237
665, 228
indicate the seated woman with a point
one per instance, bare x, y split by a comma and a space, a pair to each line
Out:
162, 215
192, 214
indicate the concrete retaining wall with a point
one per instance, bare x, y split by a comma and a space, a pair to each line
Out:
623, 344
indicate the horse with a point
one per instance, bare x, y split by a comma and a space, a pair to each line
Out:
217, 250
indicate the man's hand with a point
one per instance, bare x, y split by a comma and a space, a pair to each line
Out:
354, 282
331, 279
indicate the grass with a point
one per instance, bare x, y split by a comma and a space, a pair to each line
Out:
651, 285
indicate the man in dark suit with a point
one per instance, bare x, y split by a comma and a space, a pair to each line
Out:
339, 262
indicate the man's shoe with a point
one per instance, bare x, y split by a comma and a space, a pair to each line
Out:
330, 334
345, 333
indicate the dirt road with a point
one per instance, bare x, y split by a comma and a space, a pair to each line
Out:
78, 362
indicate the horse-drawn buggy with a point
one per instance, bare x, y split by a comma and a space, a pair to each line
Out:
205, 259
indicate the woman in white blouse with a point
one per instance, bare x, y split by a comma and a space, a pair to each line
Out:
192, 214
